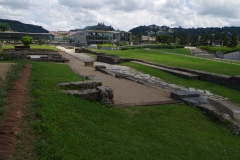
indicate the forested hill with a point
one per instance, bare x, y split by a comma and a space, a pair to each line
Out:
17, 26
150, 30
209, 30
154, 30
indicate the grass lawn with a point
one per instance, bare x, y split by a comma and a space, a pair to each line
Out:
10, 46
183, 51
178, 61
67, 127
230, 93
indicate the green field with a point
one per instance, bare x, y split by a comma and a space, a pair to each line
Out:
67, 127
178, 60
10, 46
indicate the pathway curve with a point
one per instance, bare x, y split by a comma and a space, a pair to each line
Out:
125, 91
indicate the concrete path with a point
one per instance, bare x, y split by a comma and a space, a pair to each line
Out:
125, 91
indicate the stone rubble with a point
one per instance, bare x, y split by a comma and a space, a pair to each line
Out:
152, 81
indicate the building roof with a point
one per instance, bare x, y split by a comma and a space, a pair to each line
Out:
24, 33
102, 31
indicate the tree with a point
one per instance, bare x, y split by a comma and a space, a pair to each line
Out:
194, 40
40, 41
234, 40
163, 38
184, 38
175, 36
4, 26
27, 40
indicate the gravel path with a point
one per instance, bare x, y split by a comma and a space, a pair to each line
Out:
125, 91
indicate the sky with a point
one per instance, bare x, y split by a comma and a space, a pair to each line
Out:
64, 15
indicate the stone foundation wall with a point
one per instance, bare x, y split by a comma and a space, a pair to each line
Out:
224, 80
45, 55
90, 89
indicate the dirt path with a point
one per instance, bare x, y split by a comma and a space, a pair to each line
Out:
10, 126
125, 91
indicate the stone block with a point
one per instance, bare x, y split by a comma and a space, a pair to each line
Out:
92, 94
195, 101
89, 84
222, 108
192, 89
99, 67
183, 94
106, 94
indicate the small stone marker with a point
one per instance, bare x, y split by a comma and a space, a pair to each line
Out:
89, 64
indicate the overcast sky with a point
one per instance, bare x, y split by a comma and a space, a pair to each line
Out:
56, 15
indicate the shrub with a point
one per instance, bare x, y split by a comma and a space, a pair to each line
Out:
27, 40
40, 41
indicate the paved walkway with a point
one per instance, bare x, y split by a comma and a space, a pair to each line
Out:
125, 91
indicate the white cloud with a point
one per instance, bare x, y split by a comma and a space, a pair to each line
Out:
122, 14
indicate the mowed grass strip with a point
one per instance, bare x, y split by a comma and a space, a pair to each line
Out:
226, 92
178, 60
44, 46
72, 128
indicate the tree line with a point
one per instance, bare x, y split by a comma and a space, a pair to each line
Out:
205, 38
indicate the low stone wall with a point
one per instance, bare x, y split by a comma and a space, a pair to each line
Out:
224, 80
232, 82
44, 55
90, 89
89, 84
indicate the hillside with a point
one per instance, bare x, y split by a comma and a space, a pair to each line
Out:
150, 30
154, 30
100, 26
21, 27
209, 30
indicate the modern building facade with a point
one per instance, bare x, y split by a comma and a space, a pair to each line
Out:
88, 37
17, 36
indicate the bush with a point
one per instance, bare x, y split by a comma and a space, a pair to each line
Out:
219, 49
180, 46
27, 40
40, 41
106, 46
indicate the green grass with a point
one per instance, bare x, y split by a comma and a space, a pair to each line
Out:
181, 51
10, 46
178, 61
71, 128
230, 93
